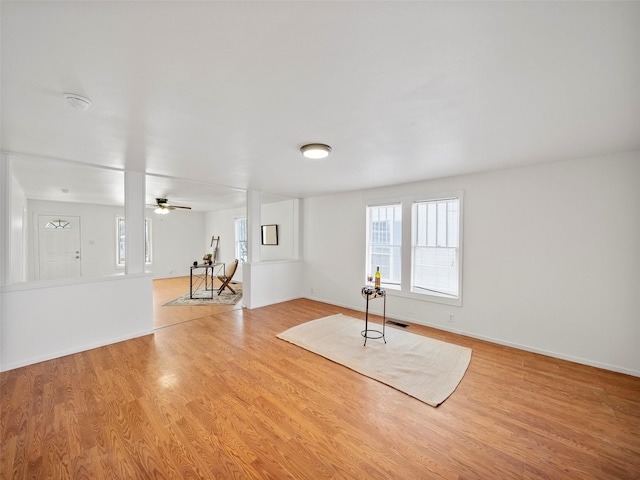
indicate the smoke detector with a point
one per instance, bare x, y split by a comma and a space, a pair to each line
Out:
77, 101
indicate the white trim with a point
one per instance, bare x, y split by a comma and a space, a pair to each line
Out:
426, 297
39, 284
5, 218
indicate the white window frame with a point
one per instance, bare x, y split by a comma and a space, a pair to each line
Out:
443, 236
120, 239
241, 258
387, 281
148, 250
405, 288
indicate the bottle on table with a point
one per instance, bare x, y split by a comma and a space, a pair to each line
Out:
377, 284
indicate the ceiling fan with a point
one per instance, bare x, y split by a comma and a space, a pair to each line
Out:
163, 206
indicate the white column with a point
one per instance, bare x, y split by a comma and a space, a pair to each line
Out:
134, 197
297, 225
253, 226
5, 218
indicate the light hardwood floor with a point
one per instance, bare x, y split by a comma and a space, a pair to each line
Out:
167, 289
214, 394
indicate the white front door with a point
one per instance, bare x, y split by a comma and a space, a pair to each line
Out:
58, 246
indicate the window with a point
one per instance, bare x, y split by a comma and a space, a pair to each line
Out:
120, 235
436, 247
241, 239
384, 242
147, 240
421, 260
60, 223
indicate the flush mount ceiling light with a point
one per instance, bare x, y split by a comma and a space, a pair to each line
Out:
77, 101
315, 150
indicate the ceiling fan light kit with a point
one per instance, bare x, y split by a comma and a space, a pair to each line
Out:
162, 206
315, 150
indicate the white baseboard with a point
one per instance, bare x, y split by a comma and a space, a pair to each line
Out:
64, 353
271, 302
498, 341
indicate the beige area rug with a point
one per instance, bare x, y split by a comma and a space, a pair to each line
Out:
225, 298
427, 369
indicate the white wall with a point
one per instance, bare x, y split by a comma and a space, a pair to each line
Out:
222, 224
97, 235
17, 244
551, 261
41, 320
45, 320
176, 238
272, 282
177, 242
281, 214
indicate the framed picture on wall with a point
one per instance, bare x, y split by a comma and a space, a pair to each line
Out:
269, 234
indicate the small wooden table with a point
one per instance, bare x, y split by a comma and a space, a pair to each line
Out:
370, 293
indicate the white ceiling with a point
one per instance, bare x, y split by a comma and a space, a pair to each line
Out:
225, 93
